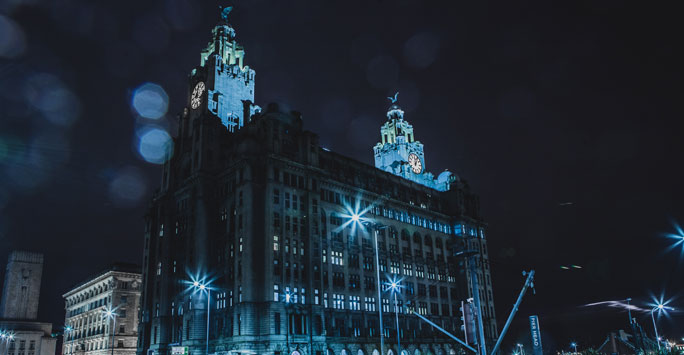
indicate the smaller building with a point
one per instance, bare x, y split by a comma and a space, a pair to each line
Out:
19, 307
88, 331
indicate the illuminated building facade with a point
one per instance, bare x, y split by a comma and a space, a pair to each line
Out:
87, 330
259, 212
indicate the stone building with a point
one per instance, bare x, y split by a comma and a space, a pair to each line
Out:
88, 331
254, 208
19, 307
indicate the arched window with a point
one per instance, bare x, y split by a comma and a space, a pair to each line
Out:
428, 241
417, 240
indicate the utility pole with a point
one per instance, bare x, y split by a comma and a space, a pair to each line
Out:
476, 297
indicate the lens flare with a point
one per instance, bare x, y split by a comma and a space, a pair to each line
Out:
155, 145
150, 101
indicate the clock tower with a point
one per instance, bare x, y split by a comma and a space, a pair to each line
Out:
222, 84
399, 153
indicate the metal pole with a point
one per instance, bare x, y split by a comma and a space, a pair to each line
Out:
655, 328
528, 283
208, 313
444, 331
396, 313
476, 296
113, 330
377, 264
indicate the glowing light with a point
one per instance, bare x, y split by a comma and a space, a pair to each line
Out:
287, 298
197, 283
150, 101
155, 145
678, 238
110, 312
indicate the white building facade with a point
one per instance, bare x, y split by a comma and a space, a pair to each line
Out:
88, 331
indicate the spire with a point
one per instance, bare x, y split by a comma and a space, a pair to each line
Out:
223, 42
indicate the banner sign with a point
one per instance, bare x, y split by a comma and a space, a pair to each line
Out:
179, 350
536, 335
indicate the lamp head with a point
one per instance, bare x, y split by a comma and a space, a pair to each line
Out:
202, 287
196, 283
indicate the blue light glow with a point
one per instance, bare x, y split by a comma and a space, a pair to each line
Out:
660, 305
355, 216
155, 145
198, 283
150, 101
678, 238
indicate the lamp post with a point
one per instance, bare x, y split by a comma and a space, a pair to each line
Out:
202, 287
660, 307
7, 336
67, 332
3, 335
109, 313
574, 345
395, 289
355, 218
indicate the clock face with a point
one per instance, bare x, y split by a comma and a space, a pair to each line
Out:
415, 163
196, 98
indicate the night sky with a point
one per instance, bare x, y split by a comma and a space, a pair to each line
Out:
565, 117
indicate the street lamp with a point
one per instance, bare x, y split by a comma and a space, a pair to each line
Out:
67, 333
111, 314
661, 308
7, 336
394, 286
203, 287
521, 350
574, 345
356, 218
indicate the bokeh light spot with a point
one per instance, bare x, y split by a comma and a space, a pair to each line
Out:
127, 187
150, 101
12, 40
155, 145
421, 50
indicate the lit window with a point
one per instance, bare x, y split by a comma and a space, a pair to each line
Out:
276, 293
336, 258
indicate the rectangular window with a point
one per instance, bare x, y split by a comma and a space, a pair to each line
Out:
276, 323
337, 258
276, 196
276, 293
287, 200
